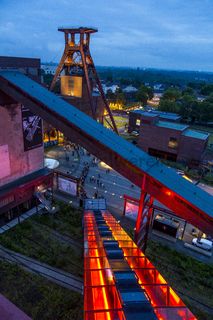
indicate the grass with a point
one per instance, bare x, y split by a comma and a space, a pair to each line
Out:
119, 120
191, 279
68, 221
128, 137
185, 275
38, 297
30, 239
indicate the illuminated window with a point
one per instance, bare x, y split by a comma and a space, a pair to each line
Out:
71, 84
138, 122
173, 144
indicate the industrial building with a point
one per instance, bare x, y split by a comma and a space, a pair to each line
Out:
162, 136
79, 81
136, 115
21, 147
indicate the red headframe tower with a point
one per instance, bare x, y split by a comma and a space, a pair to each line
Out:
80, 83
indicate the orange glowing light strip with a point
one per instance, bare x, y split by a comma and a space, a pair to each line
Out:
102, 282
153, 301
112, 223
89, 220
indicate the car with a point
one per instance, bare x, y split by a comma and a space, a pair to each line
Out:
135, 133
180, 172
202, 243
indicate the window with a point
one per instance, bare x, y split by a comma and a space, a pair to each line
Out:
138, 122
173, 144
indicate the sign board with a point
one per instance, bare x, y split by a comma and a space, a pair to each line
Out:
67, 185
32, 129
131, 210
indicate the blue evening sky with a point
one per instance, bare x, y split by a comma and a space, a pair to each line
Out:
171, 34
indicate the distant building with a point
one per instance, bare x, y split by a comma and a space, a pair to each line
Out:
112, 88
136, 116
162, 136
130, 93
49, 68
28, 66
130, 89
158, 86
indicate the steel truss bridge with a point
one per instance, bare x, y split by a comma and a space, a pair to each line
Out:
155, 179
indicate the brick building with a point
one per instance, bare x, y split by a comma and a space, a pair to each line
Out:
170, 140
135, 118
21, 147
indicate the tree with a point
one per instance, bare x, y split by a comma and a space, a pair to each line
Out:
172, 94
188, 103
188, 91
207, 89
169, 106
144, 93
110, 95
206, 111
120, 96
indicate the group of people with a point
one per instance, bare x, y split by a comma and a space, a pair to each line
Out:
97, 181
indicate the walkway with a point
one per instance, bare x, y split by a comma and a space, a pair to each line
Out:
62, 278
21, 218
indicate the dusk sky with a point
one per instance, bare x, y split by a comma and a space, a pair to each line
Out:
170, 34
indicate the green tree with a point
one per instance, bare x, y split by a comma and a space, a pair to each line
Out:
119, 96
172, 94
206, 111
144, 94
187, 104
169, 106
110, 95
188, 91
207, 89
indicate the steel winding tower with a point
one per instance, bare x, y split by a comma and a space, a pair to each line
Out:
78, 66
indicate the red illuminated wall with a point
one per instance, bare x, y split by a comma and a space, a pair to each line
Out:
15, 162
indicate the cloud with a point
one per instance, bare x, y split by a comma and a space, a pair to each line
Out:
136, 33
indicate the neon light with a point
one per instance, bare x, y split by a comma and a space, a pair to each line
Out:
162, 295
102, 282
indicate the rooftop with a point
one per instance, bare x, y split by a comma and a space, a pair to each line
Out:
145, 113
130, 88
161, 114
195, 134
77, 29
172, 125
